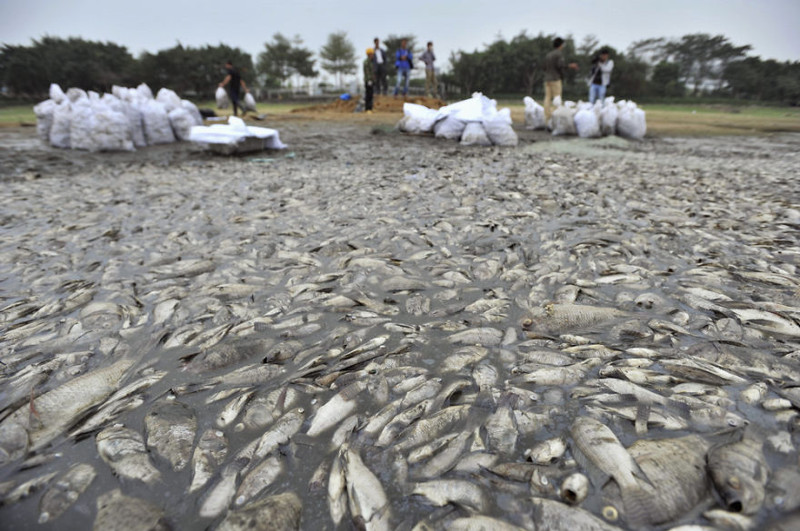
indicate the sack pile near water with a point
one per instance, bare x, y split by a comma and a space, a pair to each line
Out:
124, 120
473, 122
588, 120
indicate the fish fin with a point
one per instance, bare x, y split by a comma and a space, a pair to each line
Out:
638, 506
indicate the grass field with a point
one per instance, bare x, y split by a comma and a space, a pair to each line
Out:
662, 120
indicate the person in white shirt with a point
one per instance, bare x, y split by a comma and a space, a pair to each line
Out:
600, 77
381, 84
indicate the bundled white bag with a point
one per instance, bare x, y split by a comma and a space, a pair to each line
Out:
587, 123
449, 127
44, 118
608, 117
222, 98
111, 131
157, 129
417, 119
249, 102
475, 135
56, 94
631, 122
62, 123
563, 120
534, 114
76, 94
498, 128
144, 91
135, 123
168, 98
193, 110
182, 122
81, 127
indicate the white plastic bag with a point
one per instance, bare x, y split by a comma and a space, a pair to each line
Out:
475, 135
56, 94
182, 122
111, 131
222, 98
157, 129
135, 123
249, 102
193, 110
168, 98
534, 114
76, 94
631, 122
587, 123
62, 123
80, 131
498, 129
563, 120
608, 117
44, 118
449, 127
417, 119
144, 91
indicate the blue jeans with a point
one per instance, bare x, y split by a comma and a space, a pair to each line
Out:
596, 92
402, 73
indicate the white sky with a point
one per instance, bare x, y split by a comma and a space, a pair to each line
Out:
770, 26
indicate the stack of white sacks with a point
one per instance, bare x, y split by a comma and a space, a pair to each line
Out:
603, 118
123, 120
475, 121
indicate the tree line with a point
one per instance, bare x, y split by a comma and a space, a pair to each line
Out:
693, 65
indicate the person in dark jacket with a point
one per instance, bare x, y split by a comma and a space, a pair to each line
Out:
234, 82
554, 69
369, 79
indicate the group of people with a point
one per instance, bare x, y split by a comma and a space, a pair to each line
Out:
375, 72
555, 67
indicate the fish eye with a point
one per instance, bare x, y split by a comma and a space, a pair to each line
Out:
610, 513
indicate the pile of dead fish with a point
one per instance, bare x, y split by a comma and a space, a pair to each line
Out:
124, 120
307, 347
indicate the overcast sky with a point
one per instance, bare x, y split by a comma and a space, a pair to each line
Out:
770, 26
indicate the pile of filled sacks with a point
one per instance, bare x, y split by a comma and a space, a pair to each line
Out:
586, 120
473, 122
123, 120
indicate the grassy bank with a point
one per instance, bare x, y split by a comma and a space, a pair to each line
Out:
662, 119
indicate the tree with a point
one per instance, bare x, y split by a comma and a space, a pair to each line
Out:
338, 56
665, 81
282, 59
702, 57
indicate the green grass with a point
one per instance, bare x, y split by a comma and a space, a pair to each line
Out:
16, 115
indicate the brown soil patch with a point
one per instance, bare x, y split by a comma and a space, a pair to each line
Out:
388, 104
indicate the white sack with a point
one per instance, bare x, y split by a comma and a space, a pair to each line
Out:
157, 129
44, 118
563, 121
587, 124
76, 94
418, 118
475, 135
249, 102
144, 91
450, 128
62, 123
193, 110
235, 131
631, 122
80, 132
111, 131
222, 98
168, 98
182, 122
498, 129
56, 94
534, 114
608, 118
135, 123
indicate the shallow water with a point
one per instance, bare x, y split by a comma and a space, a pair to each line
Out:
462, 224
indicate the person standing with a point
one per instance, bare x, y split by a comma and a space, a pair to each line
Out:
381, 85
234, 82
369, 79
554, 70
430, 72
600, 77
403, 62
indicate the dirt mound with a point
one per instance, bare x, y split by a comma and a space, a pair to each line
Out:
387, 104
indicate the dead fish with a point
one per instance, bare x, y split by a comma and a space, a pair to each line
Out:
336, 409
739, 472
427, 429
224, 355
280, 433
337, 488
557, 516
501, 427
258, 478
558, 318
124, 451
207, 457
440, 492
368, 504
171, 427
274, 513
445, 459
478, 336
220, 495
596, 443
63, 492
574, 488
480, 522
117, 512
